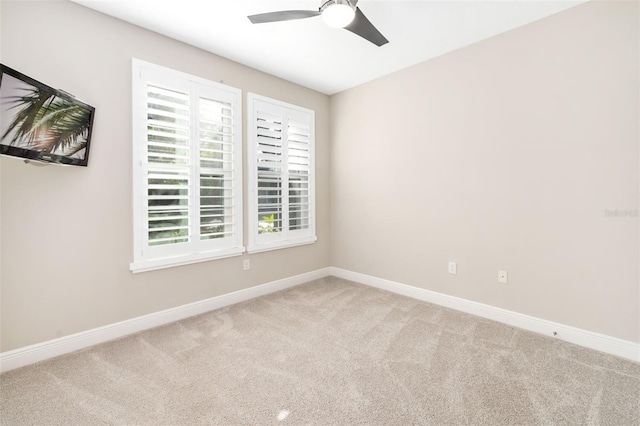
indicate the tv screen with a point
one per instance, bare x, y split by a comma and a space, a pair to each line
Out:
40, 123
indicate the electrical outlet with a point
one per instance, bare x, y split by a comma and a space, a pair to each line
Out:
502, 277
246, 264
453, 268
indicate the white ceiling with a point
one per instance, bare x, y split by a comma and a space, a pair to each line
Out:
328, 60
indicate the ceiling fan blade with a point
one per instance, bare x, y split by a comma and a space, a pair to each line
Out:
284, 15
365, 29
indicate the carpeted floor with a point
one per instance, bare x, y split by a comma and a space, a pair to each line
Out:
329, 352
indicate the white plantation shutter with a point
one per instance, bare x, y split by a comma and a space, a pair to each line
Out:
270, 168
281, 174
299, 170
168, 172
216, 171
187, 169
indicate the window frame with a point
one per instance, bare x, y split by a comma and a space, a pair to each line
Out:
260, 242
147, 257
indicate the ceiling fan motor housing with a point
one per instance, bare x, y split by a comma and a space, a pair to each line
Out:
326, 3
337, 13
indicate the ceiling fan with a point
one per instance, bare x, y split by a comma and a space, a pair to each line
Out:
335, 13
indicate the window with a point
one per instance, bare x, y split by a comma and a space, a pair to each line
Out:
281, 174
187, 168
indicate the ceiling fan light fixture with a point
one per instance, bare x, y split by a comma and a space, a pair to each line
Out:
338, 13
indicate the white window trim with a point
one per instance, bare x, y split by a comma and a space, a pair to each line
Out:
139, 125
254, 245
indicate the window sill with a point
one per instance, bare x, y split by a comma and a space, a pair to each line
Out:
170, 262
257, 248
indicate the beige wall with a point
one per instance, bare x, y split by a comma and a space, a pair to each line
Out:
502, 155
67, 231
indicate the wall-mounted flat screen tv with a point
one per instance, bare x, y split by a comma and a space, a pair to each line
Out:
38, 122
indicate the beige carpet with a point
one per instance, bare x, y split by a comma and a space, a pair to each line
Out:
328, 352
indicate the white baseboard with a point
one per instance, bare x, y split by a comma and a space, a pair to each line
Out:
67, 344
589, 339
52, 348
